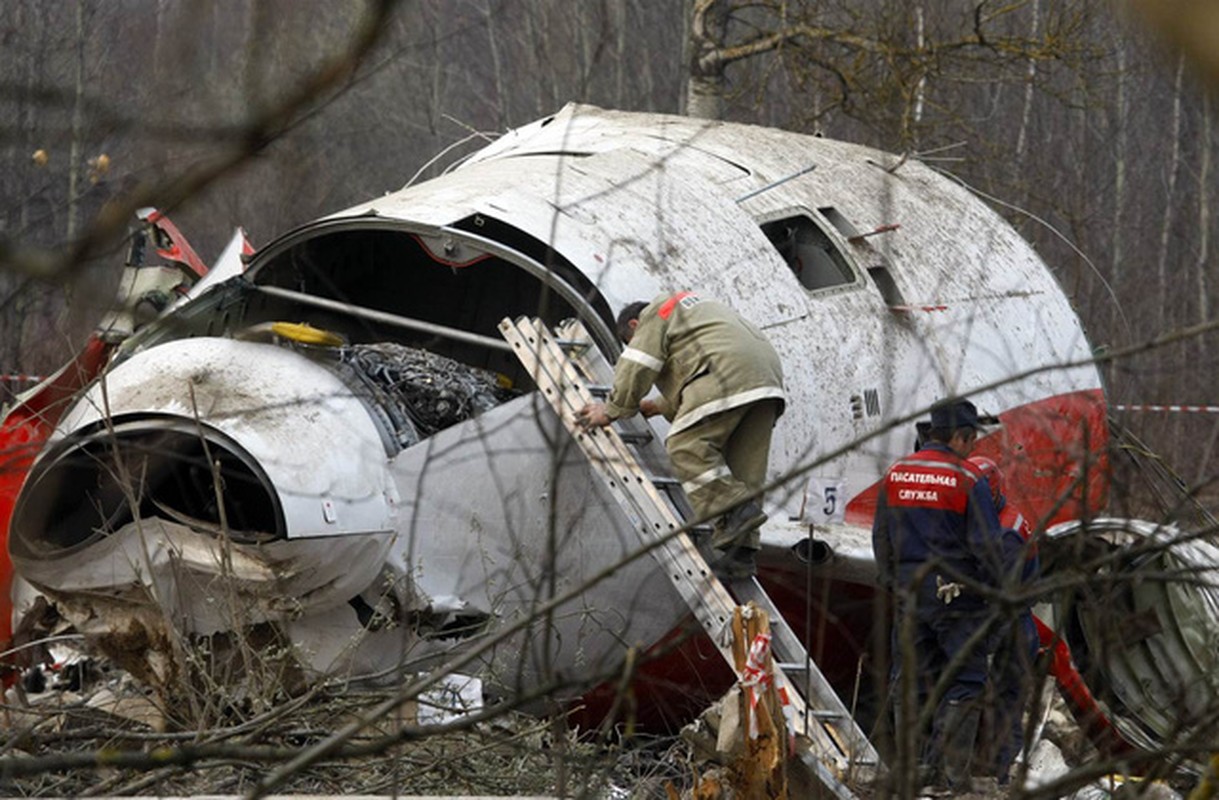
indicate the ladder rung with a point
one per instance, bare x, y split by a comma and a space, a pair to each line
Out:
573, 344
599, 389
664, 481
825, 714
635, 437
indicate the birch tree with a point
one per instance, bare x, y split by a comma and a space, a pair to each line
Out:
858, 58
1207, 148
1170, 198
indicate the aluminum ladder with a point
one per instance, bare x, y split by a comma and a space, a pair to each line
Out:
569, 371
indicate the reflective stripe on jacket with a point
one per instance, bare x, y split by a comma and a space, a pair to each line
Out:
701, 355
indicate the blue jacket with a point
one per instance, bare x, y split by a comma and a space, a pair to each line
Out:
1018, 534
934, 507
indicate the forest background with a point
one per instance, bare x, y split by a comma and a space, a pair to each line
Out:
1091, 135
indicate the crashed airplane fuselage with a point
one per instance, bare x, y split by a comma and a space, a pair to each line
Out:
233, 466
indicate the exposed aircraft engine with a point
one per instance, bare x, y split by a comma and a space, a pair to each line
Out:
266, 418
1139, 608
420, 392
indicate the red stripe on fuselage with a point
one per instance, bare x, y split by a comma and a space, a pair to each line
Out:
23, 432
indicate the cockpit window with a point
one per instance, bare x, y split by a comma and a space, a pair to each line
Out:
809, 252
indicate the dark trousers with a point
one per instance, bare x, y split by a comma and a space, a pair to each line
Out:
943, 636
1013, 677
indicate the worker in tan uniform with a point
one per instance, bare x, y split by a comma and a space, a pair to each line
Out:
721, 387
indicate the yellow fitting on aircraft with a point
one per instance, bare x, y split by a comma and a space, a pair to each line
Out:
305, 333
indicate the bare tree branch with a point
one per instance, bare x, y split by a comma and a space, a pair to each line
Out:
262, 129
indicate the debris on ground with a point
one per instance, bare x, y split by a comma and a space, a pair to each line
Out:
429, 746
452, 698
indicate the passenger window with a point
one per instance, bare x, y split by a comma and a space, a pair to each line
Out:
809, 252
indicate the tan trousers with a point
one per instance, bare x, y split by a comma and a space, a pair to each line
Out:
722, 460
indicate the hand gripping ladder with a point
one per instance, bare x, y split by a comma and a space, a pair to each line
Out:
568, 370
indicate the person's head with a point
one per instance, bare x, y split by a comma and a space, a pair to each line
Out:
956, 424
628, 318
959, 440
989, 470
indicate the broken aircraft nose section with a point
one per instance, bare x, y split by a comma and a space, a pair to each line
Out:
215, 433
208, 482
209, 485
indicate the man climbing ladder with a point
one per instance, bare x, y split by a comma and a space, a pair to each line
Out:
721, 387
565, 369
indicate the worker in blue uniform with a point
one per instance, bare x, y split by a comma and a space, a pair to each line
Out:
938, 544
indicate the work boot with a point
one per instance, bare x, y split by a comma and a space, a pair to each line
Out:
956, 729
742, 519
927, 778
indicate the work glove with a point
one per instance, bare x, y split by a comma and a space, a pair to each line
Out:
947, 591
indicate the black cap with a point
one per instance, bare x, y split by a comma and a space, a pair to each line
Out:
958, 414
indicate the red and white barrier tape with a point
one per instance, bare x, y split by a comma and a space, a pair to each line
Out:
1175, 409
755, 679
17, 377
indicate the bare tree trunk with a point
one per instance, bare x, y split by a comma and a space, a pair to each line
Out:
705, 29
1118, 257
1204, 210
249, 55
647, 79
705, 97
1165, 227
588, 28
158, 43
436, 89
539, 36
1201, 262
921, 91
498, 73
1119, 162
687, 56
18, 158
619, 13
27, 124
78, 104
1030, 77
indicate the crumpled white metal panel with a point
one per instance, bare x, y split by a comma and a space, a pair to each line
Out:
500, 510
203, 583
